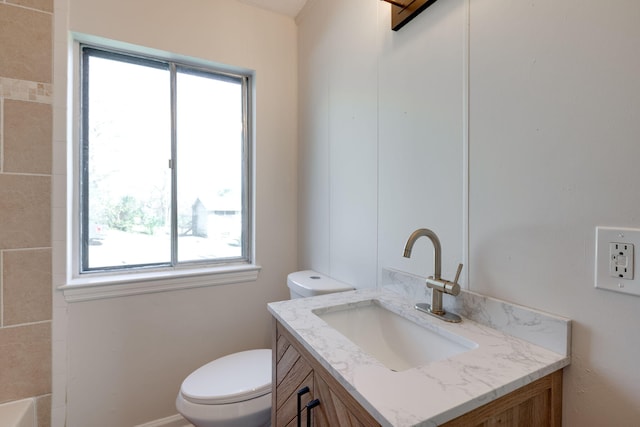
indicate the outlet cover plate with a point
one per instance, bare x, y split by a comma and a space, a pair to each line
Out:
605, 236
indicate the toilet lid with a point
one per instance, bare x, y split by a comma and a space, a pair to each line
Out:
233, 378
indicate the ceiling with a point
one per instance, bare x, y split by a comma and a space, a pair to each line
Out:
285, 7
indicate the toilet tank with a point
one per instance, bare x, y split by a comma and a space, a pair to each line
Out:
310, 283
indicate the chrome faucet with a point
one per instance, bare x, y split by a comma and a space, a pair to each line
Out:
435, 282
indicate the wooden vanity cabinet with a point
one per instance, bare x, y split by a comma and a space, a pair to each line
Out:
294, 369
538, 404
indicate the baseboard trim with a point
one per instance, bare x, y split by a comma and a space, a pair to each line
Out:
172, 421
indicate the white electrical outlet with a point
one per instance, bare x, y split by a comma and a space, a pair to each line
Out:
615, 259
621, 260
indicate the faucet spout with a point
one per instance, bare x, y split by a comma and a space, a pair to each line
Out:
436, 283
437, 248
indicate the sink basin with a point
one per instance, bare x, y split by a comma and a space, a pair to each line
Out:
396, 342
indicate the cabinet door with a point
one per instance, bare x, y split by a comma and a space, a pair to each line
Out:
291, 375
333, 409
294, 369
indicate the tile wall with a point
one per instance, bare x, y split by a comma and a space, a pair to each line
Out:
25, 202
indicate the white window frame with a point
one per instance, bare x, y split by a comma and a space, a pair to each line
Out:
107, 284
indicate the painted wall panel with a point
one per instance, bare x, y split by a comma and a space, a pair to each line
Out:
421, 140
338, 141
314, 44
554, 143
377, 133
353, 145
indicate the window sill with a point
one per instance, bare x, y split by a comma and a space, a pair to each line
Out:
100, 287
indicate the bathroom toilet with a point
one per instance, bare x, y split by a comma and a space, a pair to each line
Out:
235, 390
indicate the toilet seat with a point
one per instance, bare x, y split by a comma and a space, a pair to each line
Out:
234, 378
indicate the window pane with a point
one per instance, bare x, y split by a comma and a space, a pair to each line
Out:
127, 147
209, 166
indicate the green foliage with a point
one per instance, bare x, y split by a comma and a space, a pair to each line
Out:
124, 215
133, 215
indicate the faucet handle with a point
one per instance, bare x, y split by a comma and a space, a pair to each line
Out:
442, 285
458, 273
453, 288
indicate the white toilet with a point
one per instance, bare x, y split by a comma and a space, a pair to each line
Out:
235, 390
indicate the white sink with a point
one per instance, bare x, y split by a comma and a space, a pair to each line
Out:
396, 342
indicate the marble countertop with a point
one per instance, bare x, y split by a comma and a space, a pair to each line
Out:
431, 394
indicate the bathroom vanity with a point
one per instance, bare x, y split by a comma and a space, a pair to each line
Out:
488, 376
300, 380
536, 404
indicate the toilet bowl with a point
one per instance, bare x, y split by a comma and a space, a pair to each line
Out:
235, 390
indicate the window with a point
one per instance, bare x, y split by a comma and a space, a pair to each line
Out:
164, 164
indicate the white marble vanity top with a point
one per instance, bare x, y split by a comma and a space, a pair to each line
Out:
431, 394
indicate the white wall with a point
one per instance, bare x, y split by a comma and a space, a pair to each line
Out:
555, 141
363, 114
543, 98
120, 361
